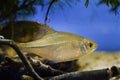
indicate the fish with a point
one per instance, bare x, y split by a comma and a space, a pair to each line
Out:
24, 31
59, 47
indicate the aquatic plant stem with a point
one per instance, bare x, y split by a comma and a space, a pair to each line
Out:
48, 10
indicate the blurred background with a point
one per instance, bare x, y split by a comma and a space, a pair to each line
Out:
96, 20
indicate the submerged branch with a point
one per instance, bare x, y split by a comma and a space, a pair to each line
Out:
102, 74
22, 57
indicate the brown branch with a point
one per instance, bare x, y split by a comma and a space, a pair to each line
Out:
14, 67
103, 74
44, 70
22, 57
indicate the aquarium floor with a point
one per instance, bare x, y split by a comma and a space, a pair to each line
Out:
99, 60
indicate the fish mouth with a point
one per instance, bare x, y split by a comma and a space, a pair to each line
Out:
89, 46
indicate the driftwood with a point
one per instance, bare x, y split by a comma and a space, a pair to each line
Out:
31, 69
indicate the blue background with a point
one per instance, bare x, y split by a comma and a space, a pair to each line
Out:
95, 22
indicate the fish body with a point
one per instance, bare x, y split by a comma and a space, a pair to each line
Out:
59, 46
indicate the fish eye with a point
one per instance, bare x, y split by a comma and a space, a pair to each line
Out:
90, 44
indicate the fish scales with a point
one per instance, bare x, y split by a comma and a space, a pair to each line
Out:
60, 46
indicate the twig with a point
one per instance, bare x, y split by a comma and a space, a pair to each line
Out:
48, 10
22, 57
44, 70
103, 74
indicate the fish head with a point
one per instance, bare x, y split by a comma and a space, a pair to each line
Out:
72, 50
87, 46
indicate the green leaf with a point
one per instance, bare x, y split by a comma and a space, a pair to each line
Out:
87, 3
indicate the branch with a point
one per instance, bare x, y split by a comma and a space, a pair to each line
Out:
44, 70
102, 74
22, 57
48, 10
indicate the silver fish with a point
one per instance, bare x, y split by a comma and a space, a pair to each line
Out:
60, 46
